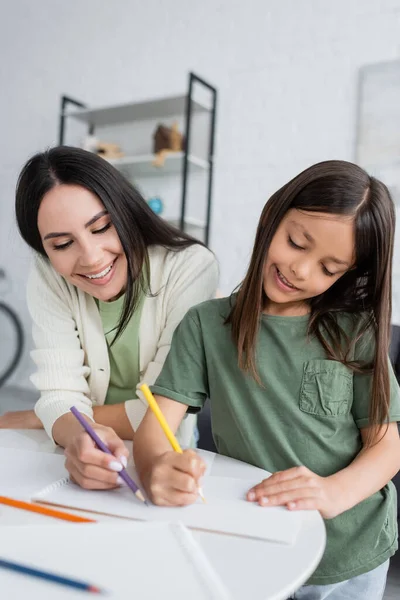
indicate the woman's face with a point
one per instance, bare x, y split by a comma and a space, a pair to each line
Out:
81, 242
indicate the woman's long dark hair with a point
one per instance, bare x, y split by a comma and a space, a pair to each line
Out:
137, 226
340, 188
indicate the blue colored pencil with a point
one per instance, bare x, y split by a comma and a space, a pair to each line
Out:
123, 474
24, 570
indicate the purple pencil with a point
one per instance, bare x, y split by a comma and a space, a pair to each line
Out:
123, 474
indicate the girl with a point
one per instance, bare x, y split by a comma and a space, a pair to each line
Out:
109, 284
295, 365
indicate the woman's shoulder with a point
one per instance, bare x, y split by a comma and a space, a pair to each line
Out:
185, 266
195, 253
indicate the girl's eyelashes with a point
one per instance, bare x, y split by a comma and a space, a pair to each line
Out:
293, 244
67, 244
328, 273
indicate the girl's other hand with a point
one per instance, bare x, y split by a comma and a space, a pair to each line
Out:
298, 489
20, 419
174, 478
92, 468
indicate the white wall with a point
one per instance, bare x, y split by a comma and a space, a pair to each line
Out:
285, 69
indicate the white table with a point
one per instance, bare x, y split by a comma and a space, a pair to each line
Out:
249, 568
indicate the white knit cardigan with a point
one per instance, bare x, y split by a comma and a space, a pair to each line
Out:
70, 348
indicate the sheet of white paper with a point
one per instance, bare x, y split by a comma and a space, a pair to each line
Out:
129, 560
226, 509
209, 459
34, 439
223, 466
22, 472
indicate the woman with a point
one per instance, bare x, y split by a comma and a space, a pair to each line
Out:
109, 284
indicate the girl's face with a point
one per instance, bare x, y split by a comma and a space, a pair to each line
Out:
308, 253
81, 242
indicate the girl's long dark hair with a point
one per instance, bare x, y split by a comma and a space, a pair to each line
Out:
137, 226
339, 188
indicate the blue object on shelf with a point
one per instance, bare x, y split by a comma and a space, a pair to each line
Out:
156, 205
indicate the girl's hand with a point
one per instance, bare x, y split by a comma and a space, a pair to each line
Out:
20, 419
298, 489
174, 478
91, 468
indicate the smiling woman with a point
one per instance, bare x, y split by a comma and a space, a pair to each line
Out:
110, 282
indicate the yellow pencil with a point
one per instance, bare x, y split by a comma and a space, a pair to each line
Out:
163, 422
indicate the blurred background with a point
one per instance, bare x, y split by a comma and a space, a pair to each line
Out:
297, 82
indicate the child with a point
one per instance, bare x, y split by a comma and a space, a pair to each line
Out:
295, 365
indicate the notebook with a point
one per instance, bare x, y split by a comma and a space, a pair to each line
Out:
23, 471
130, 560
226, 510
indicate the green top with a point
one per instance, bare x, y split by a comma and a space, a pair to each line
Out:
307, 412
124, 353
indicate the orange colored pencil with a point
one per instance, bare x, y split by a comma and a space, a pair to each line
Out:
48, 512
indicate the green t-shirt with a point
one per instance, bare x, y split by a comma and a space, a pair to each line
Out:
307, 412
124, 353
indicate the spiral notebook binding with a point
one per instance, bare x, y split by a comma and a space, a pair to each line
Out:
52, 487
216, 590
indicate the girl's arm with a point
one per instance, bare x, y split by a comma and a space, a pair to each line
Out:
299, 488
371, 470
168, 477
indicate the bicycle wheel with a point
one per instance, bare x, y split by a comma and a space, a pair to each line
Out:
11, 342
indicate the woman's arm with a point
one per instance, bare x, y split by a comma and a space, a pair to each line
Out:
61, 374
114, 416
168, 477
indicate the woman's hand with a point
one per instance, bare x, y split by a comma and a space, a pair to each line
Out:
298, 489
91, 468
20, 419
174, 478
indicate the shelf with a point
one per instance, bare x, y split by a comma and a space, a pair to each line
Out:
132, 127
141, 166
137, 111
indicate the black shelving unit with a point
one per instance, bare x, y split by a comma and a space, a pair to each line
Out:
180, 164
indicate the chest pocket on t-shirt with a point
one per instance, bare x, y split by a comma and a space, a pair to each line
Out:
326, 388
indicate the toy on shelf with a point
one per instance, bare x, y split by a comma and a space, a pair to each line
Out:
108, 150
167, 140
105, 149
156, 204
